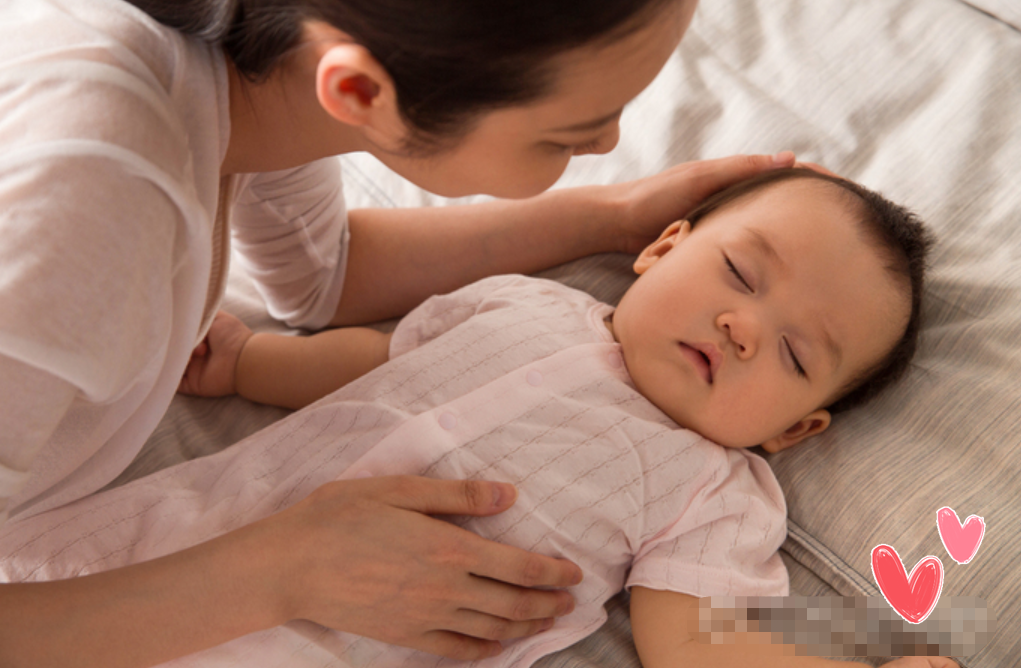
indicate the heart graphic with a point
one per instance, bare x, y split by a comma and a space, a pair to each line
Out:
912, 596
961, 540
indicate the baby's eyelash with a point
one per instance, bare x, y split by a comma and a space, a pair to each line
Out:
797, 365
733, 270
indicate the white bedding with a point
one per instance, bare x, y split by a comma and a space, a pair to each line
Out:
919, 99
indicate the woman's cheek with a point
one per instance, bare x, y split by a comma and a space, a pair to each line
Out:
533, 176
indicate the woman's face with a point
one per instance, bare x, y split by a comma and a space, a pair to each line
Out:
521, 151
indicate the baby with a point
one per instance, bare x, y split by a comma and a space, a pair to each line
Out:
625, 430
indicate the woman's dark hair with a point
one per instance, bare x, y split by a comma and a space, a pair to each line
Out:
895, 232
449, 59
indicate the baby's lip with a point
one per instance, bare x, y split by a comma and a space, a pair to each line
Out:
710, 364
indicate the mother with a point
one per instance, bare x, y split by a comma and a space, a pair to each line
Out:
137, 140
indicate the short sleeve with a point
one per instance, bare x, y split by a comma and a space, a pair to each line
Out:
290, 231
725, 543
442, 313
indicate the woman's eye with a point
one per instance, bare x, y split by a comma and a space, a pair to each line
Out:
574, 148
800, 370
559, 148
733, 270
586, 147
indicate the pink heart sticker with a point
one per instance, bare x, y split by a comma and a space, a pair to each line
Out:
912, 596
961, 540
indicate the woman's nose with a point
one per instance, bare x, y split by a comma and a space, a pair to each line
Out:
743, 332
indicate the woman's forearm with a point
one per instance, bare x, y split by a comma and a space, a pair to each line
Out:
399, 257
144, 614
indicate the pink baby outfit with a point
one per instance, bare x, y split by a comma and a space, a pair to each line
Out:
513, 379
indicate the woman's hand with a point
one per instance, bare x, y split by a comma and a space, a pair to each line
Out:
210, 371
362, 556
647, 206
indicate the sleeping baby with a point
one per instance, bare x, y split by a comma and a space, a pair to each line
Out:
626, 431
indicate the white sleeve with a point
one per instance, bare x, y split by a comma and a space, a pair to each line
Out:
290, 230
86, 269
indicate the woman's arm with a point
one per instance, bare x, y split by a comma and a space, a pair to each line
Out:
399, 257
359, 556
660, 622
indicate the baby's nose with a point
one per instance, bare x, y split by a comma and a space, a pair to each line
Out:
742, 332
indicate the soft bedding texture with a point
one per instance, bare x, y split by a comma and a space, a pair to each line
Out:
918, 99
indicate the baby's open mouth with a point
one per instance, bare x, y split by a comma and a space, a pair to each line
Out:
701, 362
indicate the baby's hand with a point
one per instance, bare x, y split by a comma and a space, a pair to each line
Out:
210, 371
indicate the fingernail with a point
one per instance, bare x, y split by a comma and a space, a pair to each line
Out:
783, 158
503, 493
546, 625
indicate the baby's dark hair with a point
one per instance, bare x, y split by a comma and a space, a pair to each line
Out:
895, 232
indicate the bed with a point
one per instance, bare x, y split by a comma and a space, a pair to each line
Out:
918, 99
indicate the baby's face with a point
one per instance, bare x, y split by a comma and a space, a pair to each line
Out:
742, 328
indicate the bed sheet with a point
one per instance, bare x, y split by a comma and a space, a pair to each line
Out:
915, 98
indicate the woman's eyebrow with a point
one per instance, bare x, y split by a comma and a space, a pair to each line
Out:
591, 125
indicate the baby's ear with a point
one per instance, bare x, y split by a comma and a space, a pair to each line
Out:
671, 236
814, 423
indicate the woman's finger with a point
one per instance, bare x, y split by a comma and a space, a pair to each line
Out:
710, 176
512, 603
352, 558
490, 627
445, 497
817, 168
458, 647
478, 497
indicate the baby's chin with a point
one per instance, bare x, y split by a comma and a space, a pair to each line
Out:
726, 438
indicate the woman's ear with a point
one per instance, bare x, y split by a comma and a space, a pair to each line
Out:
355, 89
674, 234
814, 423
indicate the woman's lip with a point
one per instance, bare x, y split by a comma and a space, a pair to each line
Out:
699, 361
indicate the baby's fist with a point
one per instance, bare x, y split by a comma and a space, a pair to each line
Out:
210, 371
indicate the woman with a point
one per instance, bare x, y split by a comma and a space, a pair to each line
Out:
132, 133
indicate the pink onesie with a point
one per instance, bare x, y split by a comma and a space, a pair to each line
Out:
511, 378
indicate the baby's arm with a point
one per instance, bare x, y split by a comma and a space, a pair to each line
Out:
286, 371
660, 622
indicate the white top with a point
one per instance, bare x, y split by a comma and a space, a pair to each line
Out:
112, 255
512, 379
